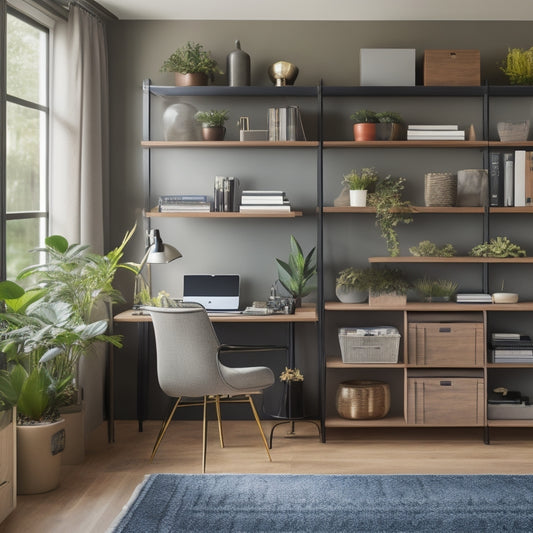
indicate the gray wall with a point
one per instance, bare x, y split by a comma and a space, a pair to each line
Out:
322, 50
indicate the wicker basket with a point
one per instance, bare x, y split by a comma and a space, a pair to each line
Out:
363, 399
369, 345
440, 189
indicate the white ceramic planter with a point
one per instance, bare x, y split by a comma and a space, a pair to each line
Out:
350, 295
358, 198
39, 450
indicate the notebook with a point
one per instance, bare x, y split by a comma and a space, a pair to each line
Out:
216, 292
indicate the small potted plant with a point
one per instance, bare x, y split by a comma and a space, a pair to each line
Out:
518, 66
387, 286
359, 183
192, 65
389, 126
364, 125
291, 406
349, 286
440, 290
213, 128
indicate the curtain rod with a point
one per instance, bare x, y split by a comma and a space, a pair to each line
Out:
60, 8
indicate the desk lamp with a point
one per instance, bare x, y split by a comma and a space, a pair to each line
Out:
157, 253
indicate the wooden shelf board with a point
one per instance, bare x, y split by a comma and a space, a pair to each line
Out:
229, 144
509, 365
392, 421
424, 306
154, 213
414, 209
510, 423
413, 259
405, 144
336, 362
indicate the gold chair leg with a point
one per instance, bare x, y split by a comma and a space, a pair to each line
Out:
204, 436
219, 419
256, 416
163, 429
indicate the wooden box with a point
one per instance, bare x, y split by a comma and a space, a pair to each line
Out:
452, 67
446, 344
445, 400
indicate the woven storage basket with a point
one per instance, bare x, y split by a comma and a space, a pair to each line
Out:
363, 399
440, 189
369, 345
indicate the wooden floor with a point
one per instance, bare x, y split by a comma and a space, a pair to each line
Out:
93, 493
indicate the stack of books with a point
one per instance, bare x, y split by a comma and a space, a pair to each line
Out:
285, 124
473, 298
226, 194
435, 132
511, 348
264, 201
511, 178
169, 203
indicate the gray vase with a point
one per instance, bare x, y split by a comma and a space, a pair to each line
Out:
179, 123
238, 67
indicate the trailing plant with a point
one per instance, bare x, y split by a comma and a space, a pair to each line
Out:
389, 117
364, 115
497, 247
391, 210
363, 180
296, 273
384, 280
435, 288
518, 66
213, 118
191, 58
430, 249
291, 374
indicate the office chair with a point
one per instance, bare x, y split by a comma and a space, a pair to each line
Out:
188, 366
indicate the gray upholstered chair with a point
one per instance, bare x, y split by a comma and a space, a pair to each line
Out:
188, 366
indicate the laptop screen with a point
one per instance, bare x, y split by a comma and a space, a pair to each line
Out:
213, 291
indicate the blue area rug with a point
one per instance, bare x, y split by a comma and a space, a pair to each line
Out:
333, 503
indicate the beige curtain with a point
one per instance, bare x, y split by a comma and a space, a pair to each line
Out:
80, 124
79, 160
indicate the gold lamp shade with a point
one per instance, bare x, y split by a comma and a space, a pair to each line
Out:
283, 73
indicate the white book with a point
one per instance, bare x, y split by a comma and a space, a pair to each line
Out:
268, 193
508, 180
433, 127
261, 200
443, 133
520, 178
436, 136
284, 208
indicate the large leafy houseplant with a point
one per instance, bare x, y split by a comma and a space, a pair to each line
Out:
296, 273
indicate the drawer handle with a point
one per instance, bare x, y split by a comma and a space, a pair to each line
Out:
445, 330
445, 383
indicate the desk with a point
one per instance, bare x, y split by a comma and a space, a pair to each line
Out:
306, 313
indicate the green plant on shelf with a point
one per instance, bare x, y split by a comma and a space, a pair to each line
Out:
430, 249
498, 247
431, 289
518, 66
360, 180
212, 119
364, 116
191, 58
384, 280
388, 117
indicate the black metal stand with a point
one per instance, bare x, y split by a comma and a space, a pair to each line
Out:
291, 433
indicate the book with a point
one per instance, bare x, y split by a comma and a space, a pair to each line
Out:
251, 200
520, 178
226, 194
495, 180
506, 336
440, 127
285, 124
185, 207
473, 298
259, 207
508, 179
181, 198
528, 179
434, 135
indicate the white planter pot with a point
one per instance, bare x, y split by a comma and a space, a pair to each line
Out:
358, 198
39, 450
350, 295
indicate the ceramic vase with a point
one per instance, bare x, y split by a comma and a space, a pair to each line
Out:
358, 197
179, 123
350, 295
238, 67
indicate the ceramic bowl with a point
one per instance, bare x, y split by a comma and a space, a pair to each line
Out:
504, 298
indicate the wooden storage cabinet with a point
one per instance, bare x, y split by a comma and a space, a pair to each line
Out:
446, 344
8, 486
446, 399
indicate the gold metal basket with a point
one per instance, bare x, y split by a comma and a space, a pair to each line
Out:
363, 399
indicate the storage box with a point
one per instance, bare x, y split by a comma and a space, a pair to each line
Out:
387, 66
452, 67
369, 345
446, 344
445, 400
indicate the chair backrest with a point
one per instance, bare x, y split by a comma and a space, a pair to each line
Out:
186, 345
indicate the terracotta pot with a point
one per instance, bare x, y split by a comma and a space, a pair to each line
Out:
214, 134
193, 78
39, 451
364, 131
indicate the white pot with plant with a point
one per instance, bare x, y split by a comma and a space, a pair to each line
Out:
359, 183
349, 286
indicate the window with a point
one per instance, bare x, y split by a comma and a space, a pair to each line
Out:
26, 139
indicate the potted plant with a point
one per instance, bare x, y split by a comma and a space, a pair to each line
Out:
359, 183
364, 125
441, 290
518, 66
389, 127
350, 286
192, 65
386, 286
296, 274
213, 124
430, 249
497, 247
391, 210
291, 405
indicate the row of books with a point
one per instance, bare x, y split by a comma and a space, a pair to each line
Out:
511, 348
435, 132
226, 193
184, 203
264, 201
511, 178
285, 124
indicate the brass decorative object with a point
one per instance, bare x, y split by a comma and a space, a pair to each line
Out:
363, 399
283, 73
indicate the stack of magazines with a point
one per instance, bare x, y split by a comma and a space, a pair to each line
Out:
169, 203
473, 298
264, 201
511, 348
435, 132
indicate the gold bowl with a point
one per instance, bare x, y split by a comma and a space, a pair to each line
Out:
283, 73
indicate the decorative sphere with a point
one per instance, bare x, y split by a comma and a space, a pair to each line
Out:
283, 73
179, 123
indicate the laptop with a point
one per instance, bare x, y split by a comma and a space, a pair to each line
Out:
216, 292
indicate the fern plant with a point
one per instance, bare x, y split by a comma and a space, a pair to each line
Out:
518, 66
